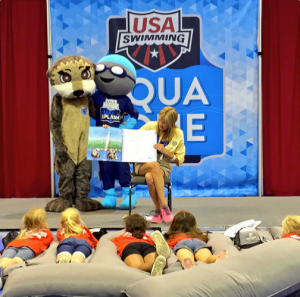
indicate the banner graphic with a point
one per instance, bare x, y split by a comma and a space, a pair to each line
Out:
199, 57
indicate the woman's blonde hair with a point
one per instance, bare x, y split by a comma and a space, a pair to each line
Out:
170, 115
291, 224
33, 220
71, 222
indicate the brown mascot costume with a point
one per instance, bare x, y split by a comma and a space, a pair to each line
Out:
72, 77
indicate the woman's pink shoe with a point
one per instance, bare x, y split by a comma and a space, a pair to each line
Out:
157, 218
166, 214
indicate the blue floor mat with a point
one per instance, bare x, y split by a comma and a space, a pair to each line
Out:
1, 235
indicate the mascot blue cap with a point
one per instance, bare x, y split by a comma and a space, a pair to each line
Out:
118, 59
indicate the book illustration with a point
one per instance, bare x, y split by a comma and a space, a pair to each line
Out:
105, 144
117, 145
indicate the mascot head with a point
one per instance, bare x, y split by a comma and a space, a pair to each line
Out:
72, 76
115, 75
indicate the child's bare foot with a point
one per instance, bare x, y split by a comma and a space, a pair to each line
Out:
187, 263
64, 260
222, 255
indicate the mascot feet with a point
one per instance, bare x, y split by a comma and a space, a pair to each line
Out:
87, 204
110, 200
59, 204
125, 203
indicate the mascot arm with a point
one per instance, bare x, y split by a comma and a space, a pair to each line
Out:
55, 127
133, 117
129, 124
92, 108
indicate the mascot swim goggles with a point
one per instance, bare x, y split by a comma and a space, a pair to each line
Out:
115, 70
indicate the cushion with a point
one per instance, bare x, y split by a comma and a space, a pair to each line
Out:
265, 235
276, 232
264, 270
78, 280
47, 257
220, 242
105, 274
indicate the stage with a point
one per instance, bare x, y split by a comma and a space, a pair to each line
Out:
211, 213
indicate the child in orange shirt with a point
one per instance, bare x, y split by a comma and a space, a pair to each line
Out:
189, 243
34, 238
139, 250
76, 240
291, 227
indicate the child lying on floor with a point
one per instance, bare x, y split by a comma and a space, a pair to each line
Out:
139, 250
189, 243
34, 238
76, 240
291, 227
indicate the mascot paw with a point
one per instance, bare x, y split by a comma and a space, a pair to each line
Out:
125, 203
59, 204
87, 204
109, 202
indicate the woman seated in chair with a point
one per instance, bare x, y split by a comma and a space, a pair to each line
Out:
170, 149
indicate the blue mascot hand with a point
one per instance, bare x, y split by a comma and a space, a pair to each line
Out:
129, 124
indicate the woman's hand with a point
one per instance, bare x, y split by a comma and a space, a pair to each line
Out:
160, 147
105, 126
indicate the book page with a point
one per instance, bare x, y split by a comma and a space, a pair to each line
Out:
105, 144
138, 146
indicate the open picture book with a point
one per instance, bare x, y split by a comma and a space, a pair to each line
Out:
121, 145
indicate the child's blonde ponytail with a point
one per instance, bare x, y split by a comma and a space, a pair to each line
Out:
22, 234
33, 220
71, 222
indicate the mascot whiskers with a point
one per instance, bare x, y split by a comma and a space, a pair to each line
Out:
72, 77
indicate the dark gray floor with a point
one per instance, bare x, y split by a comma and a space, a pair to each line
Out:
213, 212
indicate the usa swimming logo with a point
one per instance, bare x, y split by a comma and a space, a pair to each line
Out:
154, 34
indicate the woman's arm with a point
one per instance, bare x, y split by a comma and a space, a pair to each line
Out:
160, 147
180, 148
179, 152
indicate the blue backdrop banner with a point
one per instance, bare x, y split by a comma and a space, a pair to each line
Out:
199, 56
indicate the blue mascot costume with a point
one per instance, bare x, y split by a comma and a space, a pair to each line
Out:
115, 77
